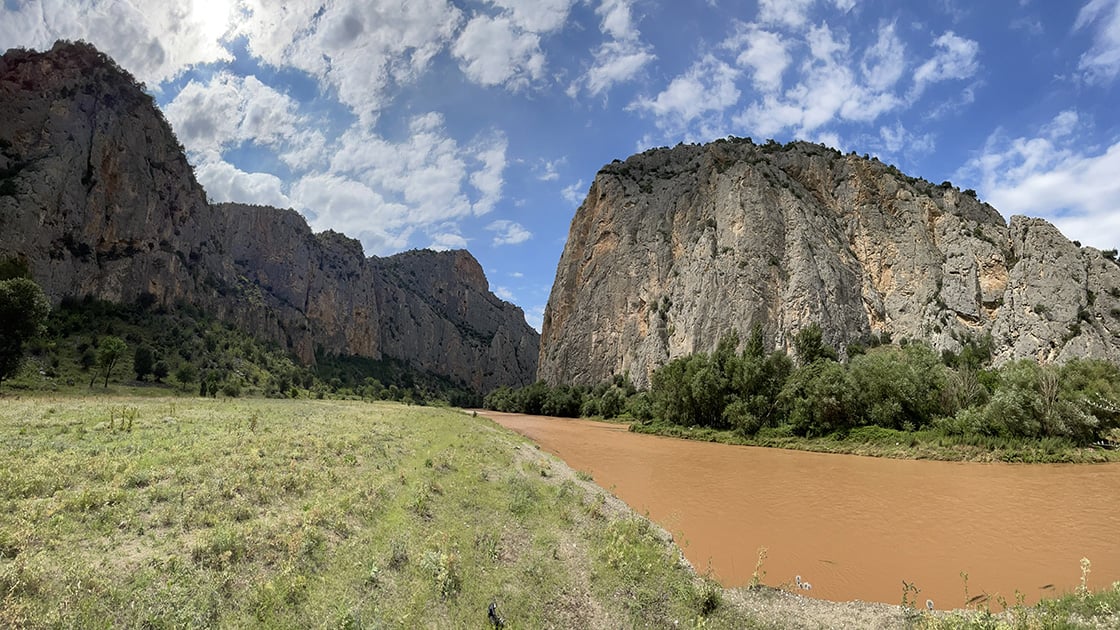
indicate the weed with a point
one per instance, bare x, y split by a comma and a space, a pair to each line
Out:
1083, 587
759, 573
398, 555
442, 564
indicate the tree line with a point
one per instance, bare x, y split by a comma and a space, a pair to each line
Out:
905, 386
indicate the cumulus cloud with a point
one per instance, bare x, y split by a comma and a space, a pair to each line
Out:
229, 110
709, 86
443, 241
488, 180
427, 182
1053, 175
794, 13
508, 232
225, 182
154, 41
1101, 63
620, 57
955, 58
763, 52
357, 48
835, 81
537, 16
352, 207
493, 51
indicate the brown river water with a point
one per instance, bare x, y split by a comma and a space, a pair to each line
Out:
856, 527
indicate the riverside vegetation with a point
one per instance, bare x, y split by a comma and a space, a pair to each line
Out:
896, 400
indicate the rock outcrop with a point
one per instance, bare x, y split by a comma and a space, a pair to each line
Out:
675, 248
96, 195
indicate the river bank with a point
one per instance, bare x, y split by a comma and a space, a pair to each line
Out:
889, 443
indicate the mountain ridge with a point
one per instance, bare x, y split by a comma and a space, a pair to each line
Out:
97, 196
673, 249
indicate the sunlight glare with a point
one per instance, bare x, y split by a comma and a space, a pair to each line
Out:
214, 16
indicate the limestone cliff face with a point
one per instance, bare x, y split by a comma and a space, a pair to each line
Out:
675, 248
97, 196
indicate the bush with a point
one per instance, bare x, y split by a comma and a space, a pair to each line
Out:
819, 399
738, 416
640, 406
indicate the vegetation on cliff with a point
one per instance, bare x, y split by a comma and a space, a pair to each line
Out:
184, 350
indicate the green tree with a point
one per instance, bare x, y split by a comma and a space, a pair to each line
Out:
23, 311
809, 345
186, 373
160, 371
819, 399
142, 361
109, 353
898, 388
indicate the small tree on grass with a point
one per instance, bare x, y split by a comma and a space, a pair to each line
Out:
142, 361
160, 371
109, 353
23, 311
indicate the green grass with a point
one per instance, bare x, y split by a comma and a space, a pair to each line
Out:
171, 512
880, 442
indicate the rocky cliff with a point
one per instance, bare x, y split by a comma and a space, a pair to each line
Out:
675, 248
97, 197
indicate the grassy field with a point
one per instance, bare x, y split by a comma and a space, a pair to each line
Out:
165, 512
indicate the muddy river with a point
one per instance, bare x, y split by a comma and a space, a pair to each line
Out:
856, 527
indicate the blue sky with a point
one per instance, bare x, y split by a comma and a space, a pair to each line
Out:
480, 124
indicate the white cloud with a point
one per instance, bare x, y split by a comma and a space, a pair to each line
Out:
153, 40
508, 232
488, 179
836, 82
618, 59
537, 16
505, 294
443, 241
1101, 63
956, 58
884, 63
549, 170
534, 316
793, 13
617, 19
229, 110
493, 51
426, 182
898, 140
1051, 175
355, 209
225, 182
358, 48
574, 193
705, 88
764, 52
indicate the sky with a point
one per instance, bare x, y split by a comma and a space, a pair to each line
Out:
452, 124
